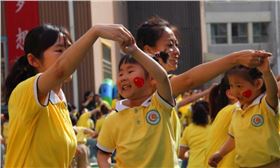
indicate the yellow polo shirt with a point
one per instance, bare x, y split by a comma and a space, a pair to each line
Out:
176, 127
142, 136
99, 123
217, 136
39, 135
186, 118
85, 120
5, 130
255, 130
81, 136
195, 138
175, 120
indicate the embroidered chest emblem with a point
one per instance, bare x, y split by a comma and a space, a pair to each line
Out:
153, 117
257, 120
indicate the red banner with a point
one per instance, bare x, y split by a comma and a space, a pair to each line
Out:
21, 16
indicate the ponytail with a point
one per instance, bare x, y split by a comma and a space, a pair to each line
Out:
20, 71
218, 98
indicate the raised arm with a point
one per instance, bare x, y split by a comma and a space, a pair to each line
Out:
204, 72
194, 97
155, 70
270, 84
66, 64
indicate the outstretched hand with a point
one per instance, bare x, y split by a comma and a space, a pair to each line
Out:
252, 58
115, 32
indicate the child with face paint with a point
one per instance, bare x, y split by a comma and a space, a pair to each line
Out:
221, 104
254, 126
157, 36
140, 130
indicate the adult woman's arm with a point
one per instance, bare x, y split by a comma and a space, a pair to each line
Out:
204, 72
66, 64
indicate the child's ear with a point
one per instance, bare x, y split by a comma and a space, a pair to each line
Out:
259, 83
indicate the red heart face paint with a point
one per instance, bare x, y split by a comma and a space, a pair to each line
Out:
139, 82
247, 93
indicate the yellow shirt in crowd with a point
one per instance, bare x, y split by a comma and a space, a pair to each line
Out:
5, 130
81, 135
186, 112
195, 138
142, 136
99, 123
255, 130
39, 135
85, 120
217, 136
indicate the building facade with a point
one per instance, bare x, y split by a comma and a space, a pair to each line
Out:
77, 17
236, 25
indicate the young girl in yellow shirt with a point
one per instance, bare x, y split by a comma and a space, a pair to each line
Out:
254, 126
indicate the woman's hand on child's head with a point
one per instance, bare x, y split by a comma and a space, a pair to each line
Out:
251, 58
115, 32
215, 159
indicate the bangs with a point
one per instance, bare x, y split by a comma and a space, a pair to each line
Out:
249, 74
127, 59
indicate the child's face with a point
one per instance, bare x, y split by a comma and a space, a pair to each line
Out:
242, 89
132, 82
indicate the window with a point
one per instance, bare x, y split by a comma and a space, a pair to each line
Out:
107, 62
239, 32
219, 33
260, 30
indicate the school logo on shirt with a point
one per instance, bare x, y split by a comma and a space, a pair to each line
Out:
153, 117
257, 120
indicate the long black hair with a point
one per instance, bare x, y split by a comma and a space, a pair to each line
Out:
218, 98
36, 42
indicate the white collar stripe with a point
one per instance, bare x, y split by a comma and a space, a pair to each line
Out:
104, 148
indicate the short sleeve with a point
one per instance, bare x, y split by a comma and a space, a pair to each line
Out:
266, 107
157, 99
24, 98
184, 140
105, 140
230, 130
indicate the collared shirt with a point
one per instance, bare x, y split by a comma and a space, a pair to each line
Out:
142, 135
217, 136
195, 138
255, 130
39, 135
